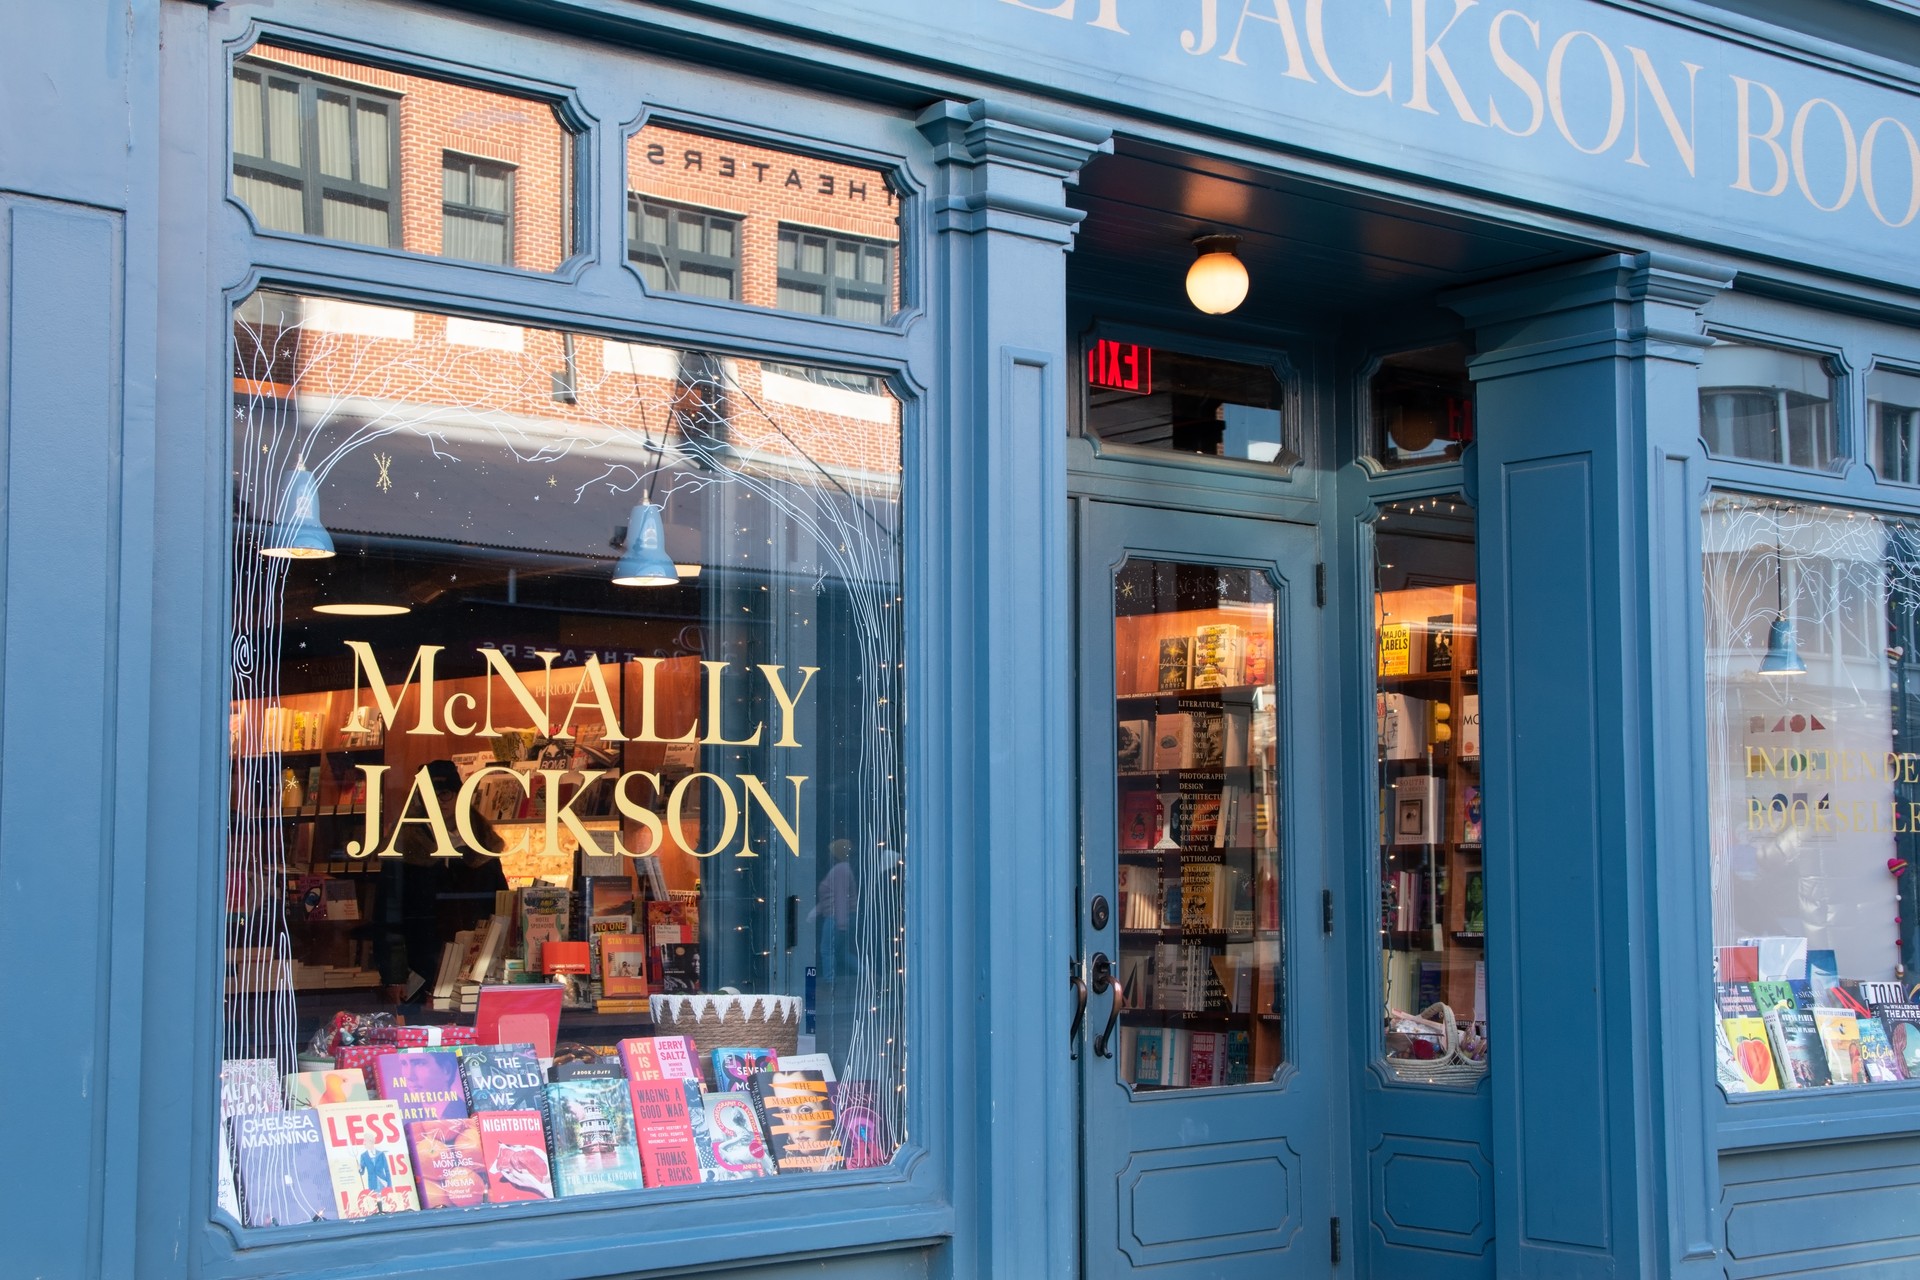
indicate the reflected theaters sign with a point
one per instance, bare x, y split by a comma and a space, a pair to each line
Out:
1610, 109
636, 793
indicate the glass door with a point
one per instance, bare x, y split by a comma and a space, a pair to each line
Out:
1209, 1071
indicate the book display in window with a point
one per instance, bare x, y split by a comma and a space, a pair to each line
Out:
1197, 837
1433, 890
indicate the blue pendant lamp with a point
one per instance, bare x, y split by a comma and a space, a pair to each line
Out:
297, 534
645, 562
1783, 650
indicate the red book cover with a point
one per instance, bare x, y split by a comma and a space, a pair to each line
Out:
659, 1058
367, 1157
448, 1164
513, 1149
523, 1013
668, 1157
1139, 818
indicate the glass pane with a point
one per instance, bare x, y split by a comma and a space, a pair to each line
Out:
283, 121
592, 716
1199, 822
473, 238
1813, 661
279, 205
361, 221
340, 128
747, 192
846, 260
336, 136
811, 299
1422, 405
249, 128
372, 140
1893, 409
1433, 900
1157, 398
1769, 405
706, 282
867, 308
688, 234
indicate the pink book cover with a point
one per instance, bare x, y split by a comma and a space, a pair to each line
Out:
659, 1058
426, 1085
668, 1157
513, 1148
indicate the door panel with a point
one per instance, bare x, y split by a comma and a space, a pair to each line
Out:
1212, 1083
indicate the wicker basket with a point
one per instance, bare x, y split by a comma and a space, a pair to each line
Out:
728, 1020
1450, 1066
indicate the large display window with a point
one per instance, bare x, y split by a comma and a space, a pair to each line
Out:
1814, 792
566, 843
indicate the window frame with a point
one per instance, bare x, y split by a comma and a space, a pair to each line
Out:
479, 213
314, 185
1847, 342
908, 1205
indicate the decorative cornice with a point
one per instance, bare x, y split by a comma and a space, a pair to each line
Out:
1008, 164
1619, 305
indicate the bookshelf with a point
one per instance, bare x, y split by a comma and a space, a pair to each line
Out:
1198, 907
1432, 899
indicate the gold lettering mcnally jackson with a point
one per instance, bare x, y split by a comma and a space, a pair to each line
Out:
460, 715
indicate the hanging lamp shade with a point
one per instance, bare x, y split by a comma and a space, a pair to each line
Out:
645, 562
297, 533
1217, 280
1783, 651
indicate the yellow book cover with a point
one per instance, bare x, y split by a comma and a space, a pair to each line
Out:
1747, 1036
1396, 644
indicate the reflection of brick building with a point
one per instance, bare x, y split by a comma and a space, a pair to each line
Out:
337, 149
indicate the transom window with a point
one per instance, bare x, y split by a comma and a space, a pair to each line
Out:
684, 250
476, 209
1768, 405
1893, 410
315, 157
831, 275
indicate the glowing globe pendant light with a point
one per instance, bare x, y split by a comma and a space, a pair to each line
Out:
1217, 280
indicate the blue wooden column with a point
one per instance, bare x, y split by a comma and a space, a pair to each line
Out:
1002, 228
1585, 389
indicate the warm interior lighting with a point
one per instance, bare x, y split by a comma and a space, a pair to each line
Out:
363, 610
1217, 280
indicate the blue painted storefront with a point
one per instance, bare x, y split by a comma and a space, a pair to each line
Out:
1583, 188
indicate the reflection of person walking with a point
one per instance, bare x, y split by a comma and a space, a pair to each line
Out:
833, 906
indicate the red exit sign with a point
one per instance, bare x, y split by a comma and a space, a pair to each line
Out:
1121, 366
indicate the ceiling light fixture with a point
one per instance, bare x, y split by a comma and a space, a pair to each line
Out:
1217, 280
645, 562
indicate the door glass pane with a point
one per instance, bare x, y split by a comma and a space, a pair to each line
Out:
1433, 902
1198, 906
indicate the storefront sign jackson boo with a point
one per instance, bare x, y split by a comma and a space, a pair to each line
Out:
1505, 71
462, 715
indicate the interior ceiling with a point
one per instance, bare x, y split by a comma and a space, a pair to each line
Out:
1308, 246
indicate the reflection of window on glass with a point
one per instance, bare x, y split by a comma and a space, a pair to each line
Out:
1768, 405
1893, 410
1422, 406
314, 157
1432, 922
684, 250
476, 219
832, 275
1813, 798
